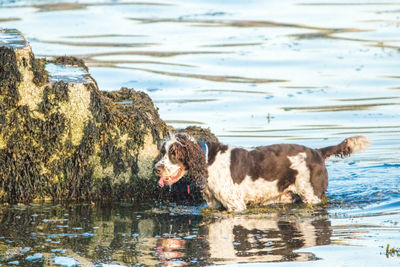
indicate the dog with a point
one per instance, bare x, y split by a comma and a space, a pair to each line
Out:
233, 177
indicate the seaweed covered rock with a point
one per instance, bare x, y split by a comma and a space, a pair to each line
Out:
199, 133
62, 138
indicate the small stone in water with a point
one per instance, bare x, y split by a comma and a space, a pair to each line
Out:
25, 249
65, 261
34, 257
88, 234
58, 250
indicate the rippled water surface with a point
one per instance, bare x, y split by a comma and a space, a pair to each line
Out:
255, 73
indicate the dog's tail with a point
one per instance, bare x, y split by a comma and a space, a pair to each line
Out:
346, 148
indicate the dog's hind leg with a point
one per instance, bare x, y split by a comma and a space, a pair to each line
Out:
303, 186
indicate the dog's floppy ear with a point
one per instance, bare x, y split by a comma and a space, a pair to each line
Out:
170, 134
161, 145
194, 159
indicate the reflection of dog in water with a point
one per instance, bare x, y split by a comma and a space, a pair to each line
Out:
245, 238
234, 177
169, 249
252, 239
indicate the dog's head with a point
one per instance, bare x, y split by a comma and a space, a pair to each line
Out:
181, 155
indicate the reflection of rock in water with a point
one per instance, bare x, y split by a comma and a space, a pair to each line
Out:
265, 239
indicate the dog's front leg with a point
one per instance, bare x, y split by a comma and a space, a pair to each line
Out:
211, 201
236, 206
233, 201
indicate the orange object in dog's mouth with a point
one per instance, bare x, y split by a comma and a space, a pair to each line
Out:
170, 179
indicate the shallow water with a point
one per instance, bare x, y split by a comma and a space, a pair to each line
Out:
257, 73
127, 234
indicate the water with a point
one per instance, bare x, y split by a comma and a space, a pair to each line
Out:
11, 39
129, 234
66, 73
258, 73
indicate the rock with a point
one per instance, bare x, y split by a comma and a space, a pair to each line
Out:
62, 138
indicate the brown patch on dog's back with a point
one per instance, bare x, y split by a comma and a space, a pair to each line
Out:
213, 149
288, 177
272, 163
269, 163
240, 164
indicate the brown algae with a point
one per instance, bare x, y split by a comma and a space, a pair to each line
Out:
69, 141
64, 139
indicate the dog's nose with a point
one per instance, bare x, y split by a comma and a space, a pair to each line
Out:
159, 168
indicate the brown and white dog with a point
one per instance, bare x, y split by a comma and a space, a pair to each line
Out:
234, 177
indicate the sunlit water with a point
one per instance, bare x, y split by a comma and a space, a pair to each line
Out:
255, 73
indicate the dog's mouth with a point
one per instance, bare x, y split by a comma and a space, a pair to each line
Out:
170, 179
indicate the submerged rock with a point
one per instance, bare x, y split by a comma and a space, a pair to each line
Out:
62, 138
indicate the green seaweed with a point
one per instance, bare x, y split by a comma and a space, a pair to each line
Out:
31, 142
134, 120
40, 156
38, 67
124, 94
391, 252
52, 95
199, 133
10, 77
73, 61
